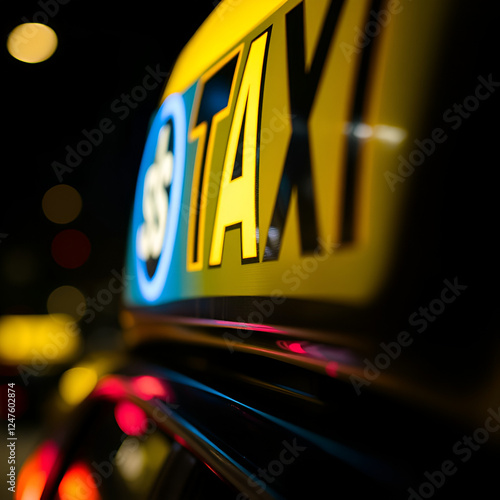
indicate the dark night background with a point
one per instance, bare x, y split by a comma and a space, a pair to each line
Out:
104, 51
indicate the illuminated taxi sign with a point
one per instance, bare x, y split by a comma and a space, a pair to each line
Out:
158, 197
276, 154
236, 203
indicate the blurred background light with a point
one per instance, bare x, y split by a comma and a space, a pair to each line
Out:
385, 133
35, 471
70, 248
19, 265
52, 338
78, 482
62, 204
77, 383
130, 459
110, 387
32, 42
147, 387
66, 300
388, 133
130, 418
139, 461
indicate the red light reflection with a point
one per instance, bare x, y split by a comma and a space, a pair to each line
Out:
296, 347
181, 441
332, 358
249, 326
331, 368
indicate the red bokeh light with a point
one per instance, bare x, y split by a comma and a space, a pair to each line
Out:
147, 387
70, 248
130, 418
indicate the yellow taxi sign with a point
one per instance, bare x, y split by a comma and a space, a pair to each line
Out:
276, 181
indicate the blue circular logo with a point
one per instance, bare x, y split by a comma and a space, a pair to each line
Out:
158, 196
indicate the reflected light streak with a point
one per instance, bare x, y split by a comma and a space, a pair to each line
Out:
365, 463
181, 441
249, 326
296, 347
319, 351
385, 133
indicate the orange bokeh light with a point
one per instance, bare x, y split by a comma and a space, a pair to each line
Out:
78, 482
35, 472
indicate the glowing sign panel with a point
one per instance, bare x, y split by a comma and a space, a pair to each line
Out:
158, 196
262, 199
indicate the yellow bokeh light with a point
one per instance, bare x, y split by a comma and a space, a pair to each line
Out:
41, 338
32, 42
77, 383
130, 460
66, 300
62, 204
